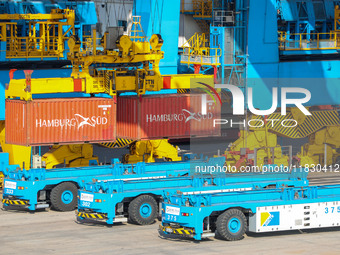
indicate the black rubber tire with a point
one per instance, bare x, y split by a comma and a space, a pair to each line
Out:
223, 221
56, 194
134, 210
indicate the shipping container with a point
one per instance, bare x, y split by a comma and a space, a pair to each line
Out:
60, 121
167, 116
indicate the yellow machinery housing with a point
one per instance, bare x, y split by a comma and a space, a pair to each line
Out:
76, 155
147, 151
322, 148
255, 148
322, 129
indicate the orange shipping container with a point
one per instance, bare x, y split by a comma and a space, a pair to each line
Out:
167, 116
60, 121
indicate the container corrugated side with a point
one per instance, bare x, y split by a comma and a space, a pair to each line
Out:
167, 116
60, 121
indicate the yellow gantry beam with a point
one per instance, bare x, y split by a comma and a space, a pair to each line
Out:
56, 14
25, 88
146, 77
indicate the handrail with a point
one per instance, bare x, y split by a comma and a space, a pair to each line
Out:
196, 51
196, 41
207, 56
308, 41
18, 47
88, 44
46, 42
200, 8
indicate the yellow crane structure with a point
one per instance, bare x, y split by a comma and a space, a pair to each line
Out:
255, 148
74, 155
48, 43
147, 151
197, 52
322, 129
96, 81
132, 66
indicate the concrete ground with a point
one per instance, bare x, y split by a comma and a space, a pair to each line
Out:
50, 232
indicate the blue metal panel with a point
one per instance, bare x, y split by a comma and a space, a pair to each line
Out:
217, 41
310, 13
262, 32
162, 17
4, 161
319, 77
329, 9
289, 11
264, 70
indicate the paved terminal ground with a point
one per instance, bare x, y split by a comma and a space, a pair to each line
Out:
50, 232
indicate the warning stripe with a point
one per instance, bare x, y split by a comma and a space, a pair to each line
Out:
119, 143
101, 216
107, 82
1, 180
14, 202
183, 91
311, 124
183, 231
178, 231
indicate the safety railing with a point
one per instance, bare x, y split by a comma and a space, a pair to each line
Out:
223, 18
197, 41
200, 8
308, 41
137, 33
90, 42
34, 47
207, 56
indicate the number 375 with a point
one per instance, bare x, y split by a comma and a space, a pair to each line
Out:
332, 209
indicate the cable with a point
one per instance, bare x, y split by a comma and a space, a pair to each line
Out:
152, 17
134, 9
160, 20
108, 13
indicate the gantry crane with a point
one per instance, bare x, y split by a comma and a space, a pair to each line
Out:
132, 66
